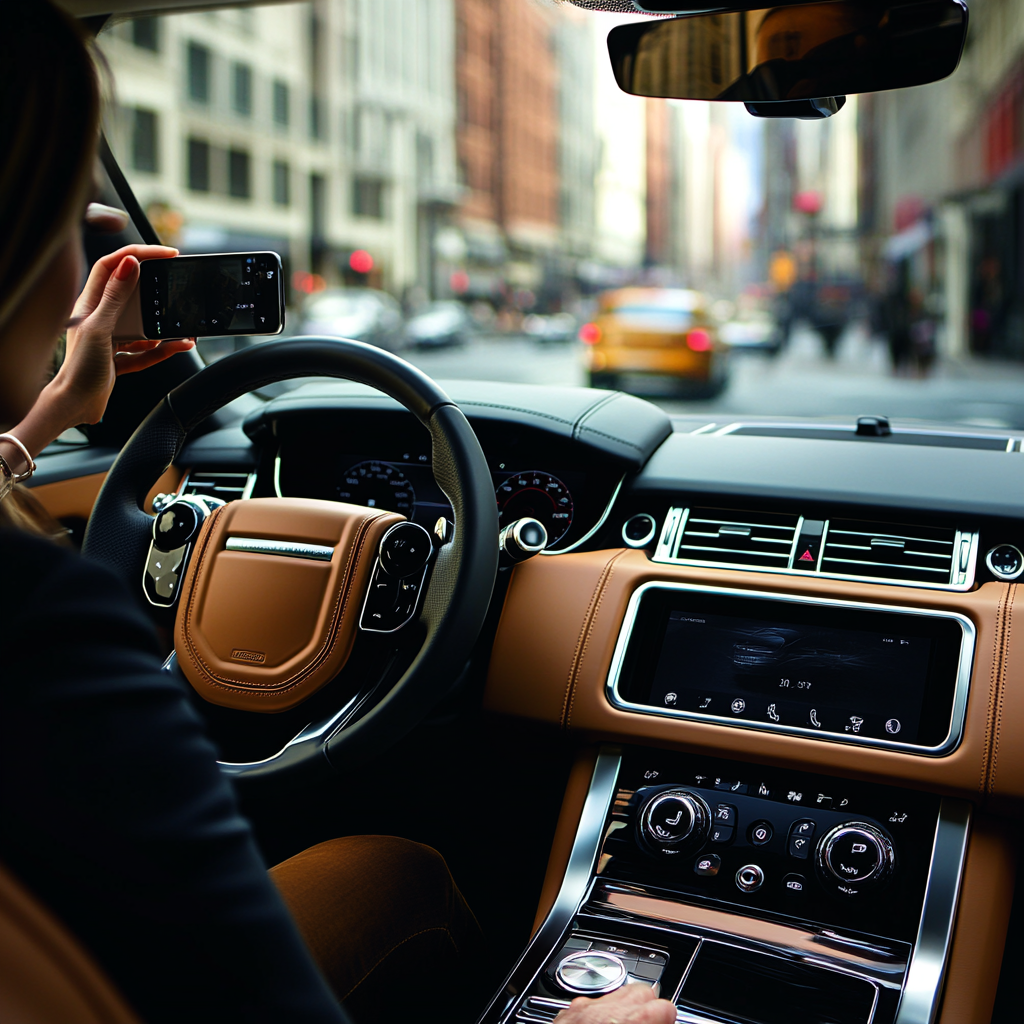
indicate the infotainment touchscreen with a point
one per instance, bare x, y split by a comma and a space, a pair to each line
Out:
828, 669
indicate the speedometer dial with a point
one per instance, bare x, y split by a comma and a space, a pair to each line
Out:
379, 485
540, 496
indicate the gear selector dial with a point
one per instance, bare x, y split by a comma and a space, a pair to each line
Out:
675, 821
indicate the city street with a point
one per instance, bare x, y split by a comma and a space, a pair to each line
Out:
799, 382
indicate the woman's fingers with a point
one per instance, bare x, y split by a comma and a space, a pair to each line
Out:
132, 362
116, 293
105, 266
631, 1004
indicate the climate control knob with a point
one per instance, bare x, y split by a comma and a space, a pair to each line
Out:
675, 821
856, 856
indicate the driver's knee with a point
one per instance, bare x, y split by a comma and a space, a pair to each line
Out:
385, 922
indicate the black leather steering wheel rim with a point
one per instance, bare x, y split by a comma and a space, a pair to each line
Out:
456, 601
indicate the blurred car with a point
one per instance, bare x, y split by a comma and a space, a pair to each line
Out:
555, 329
440, 324
363, 314
644, 335
757, 331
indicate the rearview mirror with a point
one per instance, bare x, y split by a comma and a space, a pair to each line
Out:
793, 53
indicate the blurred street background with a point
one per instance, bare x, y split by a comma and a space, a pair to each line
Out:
461, 181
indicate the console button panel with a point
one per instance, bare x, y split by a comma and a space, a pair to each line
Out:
825, 850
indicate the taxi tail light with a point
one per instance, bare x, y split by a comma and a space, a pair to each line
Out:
698, 340
590, 334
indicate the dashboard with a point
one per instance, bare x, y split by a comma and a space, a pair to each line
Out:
798, 641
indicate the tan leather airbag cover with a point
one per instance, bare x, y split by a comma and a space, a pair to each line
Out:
263, 632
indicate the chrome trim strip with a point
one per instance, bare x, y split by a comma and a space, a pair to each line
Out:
571, 894
597, 526
923, 987
667, 545
277, 474
250, 486
884, 965
287, 548
963, 676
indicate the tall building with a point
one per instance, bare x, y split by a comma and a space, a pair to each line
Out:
658, 128
315, 129
508, 152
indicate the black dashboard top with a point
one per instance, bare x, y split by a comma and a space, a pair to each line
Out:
949, 480
620, 427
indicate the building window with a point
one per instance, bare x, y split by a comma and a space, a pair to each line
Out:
316, 117
318, 205
238, 174
198, 165
198, 73
146, 33
282, 183
242, 89
282, 103
368, 197
145, 156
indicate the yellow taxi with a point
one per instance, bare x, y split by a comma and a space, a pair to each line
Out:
643, 338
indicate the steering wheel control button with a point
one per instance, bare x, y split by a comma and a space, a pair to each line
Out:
794, 883
398, 579
162, 574
761, 833
404, 550
708, 865
856, 854
675, 819
1005, 562
590, 973
749, 878
639, 530
175, 526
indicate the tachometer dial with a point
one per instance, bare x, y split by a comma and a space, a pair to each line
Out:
540, 496
379, 485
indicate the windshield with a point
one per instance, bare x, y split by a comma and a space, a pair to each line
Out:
475, 161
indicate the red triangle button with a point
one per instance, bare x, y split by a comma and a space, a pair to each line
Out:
806, 556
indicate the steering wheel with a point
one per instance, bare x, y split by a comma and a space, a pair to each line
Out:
276, 590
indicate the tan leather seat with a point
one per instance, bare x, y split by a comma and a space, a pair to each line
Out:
46, 977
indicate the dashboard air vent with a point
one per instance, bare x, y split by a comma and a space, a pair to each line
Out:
228, 486
916, 554
851, 549
762, 540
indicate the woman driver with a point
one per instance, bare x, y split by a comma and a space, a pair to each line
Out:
112, 809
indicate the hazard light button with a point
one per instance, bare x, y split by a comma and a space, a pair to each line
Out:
808, 545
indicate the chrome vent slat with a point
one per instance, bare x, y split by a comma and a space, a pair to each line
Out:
228, 485
926, 556
883, 565
891, 550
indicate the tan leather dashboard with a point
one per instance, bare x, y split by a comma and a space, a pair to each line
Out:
562, 617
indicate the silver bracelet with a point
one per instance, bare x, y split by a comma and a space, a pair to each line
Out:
6, 479
29, 461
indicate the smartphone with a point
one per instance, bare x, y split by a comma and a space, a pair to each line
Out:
208, 296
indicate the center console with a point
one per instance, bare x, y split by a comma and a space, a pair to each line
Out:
748, 895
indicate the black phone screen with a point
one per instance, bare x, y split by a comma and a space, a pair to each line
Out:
209, 296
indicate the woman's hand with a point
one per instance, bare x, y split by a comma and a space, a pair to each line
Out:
94, 360
631, 1004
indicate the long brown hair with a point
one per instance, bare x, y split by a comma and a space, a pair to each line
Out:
49, 122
